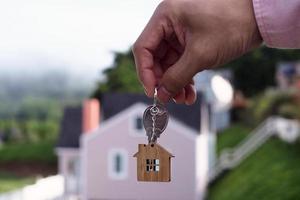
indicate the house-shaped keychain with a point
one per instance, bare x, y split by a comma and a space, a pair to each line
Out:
153, 163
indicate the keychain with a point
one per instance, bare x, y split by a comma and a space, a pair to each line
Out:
155, 119
153, 161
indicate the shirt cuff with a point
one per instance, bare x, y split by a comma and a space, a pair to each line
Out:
278, 22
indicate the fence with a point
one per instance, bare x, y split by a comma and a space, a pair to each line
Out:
287, 130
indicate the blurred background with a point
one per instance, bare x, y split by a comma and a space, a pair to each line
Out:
56, 54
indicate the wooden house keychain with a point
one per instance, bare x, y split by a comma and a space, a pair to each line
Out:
153, 161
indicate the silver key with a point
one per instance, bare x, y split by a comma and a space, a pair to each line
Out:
161, 118
155, 120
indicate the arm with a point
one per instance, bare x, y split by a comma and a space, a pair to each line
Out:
278, 22
184, 37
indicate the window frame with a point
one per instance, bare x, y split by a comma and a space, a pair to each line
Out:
112, 173
133, 126
152, 165
138, 119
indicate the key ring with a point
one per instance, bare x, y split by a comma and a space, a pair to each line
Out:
155, 119
155, 96
154, 110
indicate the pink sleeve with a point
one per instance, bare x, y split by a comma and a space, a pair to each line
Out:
278, 22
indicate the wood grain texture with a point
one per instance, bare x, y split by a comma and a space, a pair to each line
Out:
152, 152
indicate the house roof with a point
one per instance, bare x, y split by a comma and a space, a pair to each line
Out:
148, 148
70, 127
112, 104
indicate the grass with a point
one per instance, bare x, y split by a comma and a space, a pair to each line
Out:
9, 181
29, 152
272, 172
231, 136
23, 154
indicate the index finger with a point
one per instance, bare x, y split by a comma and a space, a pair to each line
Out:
145, 47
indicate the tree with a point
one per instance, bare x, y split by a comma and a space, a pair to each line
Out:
120, 77
255, 71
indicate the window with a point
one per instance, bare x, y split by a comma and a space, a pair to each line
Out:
117, 164
152, 165
72, 175
136, 126
139, 123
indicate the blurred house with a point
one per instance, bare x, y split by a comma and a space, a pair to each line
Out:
96, 156
288, 75
205, 82
96, 159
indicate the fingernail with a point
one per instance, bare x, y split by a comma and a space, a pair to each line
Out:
145, 91
174, 100
163, 94
188, 103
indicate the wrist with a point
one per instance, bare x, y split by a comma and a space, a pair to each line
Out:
249, 28
256, 36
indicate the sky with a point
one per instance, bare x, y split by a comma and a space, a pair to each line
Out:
79, 36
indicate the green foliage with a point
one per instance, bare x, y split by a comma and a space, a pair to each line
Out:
34, 120
40, 130
31, 105
291, 111
255, 71
274, 102
272, 172
120, 77
30, 130
9, 181
39, 95
231, 136
39, 108
42, 152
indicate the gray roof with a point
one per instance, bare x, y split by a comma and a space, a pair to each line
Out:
70, 127
112, 104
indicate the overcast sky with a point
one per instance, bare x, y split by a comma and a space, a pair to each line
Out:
78, 35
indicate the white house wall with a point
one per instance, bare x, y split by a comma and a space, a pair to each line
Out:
116, 134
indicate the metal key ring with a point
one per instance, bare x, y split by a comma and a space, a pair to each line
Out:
155, 97
154, 110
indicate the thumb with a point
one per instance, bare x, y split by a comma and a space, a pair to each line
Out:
175, 78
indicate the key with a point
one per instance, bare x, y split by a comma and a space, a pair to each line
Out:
155, 120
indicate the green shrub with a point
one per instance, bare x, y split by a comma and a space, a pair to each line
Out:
28, 152
274, 102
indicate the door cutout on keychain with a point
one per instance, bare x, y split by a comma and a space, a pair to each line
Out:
153, 163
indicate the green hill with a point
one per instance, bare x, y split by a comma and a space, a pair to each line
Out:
272, 172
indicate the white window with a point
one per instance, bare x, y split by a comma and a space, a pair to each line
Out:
137, 127
152, 165
139, 123
73, 175
118, 164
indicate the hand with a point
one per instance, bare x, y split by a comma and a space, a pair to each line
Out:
184, 37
